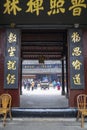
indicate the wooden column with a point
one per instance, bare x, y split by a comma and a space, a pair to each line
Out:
63, 86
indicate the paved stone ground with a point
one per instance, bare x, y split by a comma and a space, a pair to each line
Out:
38, 98
43, 124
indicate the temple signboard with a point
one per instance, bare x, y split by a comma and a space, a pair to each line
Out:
43, 12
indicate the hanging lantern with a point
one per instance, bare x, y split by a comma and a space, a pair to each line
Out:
41, 59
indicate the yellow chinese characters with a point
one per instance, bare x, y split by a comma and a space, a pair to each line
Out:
56, 6
77, 7
76, 51
76, 64
77, 79
12, 51
12, 37
75, 37
11, 65
11, 6
11, 79
35, 6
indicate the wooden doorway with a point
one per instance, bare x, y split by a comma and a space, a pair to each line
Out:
45, 45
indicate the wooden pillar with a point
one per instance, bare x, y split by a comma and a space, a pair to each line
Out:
66, 75
2, 45
63, 86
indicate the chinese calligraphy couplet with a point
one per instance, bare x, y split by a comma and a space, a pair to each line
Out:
11, 59
76, 59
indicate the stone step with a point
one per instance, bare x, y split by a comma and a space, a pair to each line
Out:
27, 112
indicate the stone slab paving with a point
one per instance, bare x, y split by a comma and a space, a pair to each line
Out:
43, 124
49, 98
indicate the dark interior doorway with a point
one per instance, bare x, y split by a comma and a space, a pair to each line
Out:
45, 45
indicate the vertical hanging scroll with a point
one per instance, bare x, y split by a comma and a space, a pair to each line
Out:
11, 59
76, 59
